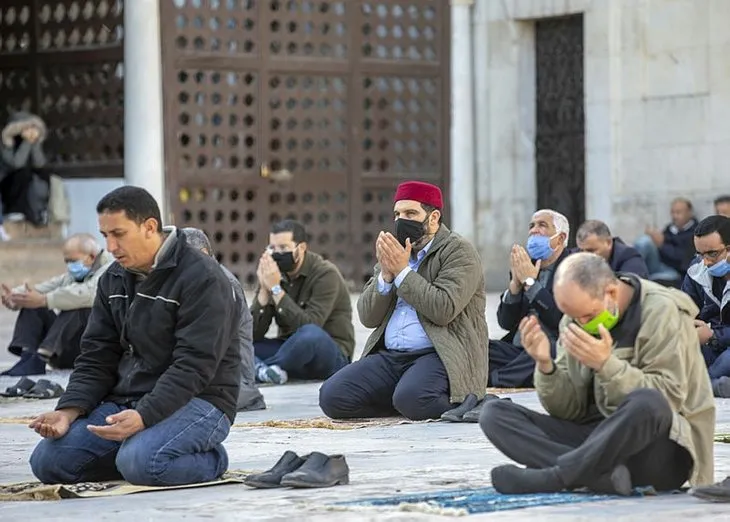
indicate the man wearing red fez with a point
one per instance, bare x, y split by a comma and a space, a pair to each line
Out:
426, 301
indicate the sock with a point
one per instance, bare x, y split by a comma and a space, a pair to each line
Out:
3, 234
721, 387
513, 480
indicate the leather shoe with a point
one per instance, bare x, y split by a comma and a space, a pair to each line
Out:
319, 471
271, 478
473, 414
455, 414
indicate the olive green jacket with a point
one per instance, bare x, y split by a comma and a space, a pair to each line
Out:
317, 295
448, 294
665, 356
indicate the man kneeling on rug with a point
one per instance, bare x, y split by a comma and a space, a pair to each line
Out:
426, 302
153, 393
629, 401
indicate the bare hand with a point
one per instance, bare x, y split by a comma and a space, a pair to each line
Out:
270, 273
534, 340
31, 298
656, 236
590, 351
6, 296
54, 424
394, 256
704, 332
379, 253
120, 426
521, 265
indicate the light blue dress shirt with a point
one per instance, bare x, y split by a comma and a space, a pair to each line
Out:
404, 331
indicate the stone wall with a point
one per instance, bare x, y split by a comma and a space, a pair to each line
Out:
657, 107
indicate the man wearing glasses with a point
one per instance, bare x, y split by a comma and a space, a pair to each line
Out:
307, 298
708, 283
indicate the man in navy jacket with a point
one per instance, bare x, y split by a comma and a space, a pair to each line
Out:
594, 236
708, 284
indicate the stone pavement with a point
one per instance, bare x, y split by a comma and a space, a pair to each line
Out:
383, 461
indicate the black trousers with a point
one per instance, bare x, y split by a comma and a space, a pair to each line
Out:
511, 366
412, 384
60, 334
636, 435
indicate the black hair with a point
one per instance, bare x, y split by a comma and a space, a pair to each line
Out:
712, 224
722, 199
299, 234
135, 202
431, 208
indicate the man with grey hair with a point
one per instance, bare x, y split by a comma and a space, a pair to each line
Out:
53, 314
594, 236
249, 396
628, 400
532, 270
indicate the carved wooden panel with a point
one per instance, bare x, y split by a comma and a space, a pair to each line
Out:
63, 60
227, 27
16, 27
307, 28
400, 127
217, 121
560, 133
83, 107
404, 31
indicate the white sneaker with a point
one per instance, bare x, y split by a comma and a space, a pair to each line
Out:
3, 234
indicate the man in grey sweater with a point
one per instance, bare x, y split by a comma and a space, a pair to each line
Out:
249, 396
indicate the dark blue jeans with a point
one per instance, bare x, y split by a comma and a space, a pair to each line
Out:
658, 270
310, 353
185, 448
717, 361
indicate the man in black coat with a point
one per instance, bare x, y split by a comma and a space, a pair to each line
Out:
530, 291
153, 393
595, 237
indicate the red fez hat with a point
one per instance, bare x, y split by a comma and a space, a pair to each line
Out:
419, 191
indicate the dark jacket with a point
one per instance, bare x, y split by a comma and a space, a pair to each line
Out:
678, 249
627, 259
156, 344
317, 295
698, 284
539, 301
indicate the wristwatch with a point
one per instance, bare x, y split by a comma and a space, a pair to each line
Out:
276, 290
528, 283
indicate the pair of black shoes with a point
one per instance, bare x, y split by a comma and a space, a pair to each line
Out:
315, 470
469, 410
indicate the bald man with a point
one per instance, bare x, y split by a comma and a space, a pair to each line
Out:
53, 314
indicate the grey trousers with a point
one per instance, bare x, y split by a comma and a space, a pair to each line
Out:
636, 435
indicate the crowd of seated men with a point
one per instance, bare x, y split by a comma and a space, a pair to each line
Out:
613, 347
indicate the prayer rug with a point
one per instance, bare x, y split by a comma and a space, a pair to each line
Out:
504, 391
722, 437
483, 500
329, 424
23, 491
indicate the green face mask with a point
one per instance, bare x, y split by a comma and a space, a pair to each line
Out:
605, 318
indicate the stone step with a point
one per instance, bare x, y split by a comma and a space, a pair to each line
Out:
31, 260
22, 230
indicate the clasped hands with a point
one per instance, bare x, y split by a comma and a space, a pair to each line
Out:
392, 256
590, 351
521, 267
29, 299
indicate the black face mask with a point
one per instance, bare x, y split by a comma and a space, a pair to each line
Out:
409, 229
285, 261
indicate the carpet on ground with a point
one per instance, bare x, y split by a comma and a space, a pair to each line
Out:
329, 424
482, 500
722, 437
23, 491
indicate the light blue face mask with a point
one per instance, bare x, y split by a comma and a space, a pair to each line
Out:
538, 247
78, 270
719, 269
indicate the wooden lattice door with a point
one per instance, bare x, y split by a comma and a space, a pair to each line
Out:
306, 109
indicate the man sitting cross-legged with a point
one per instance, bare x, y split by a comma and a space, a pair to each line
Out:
426, 302
307, 298
153, 393
628, 399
